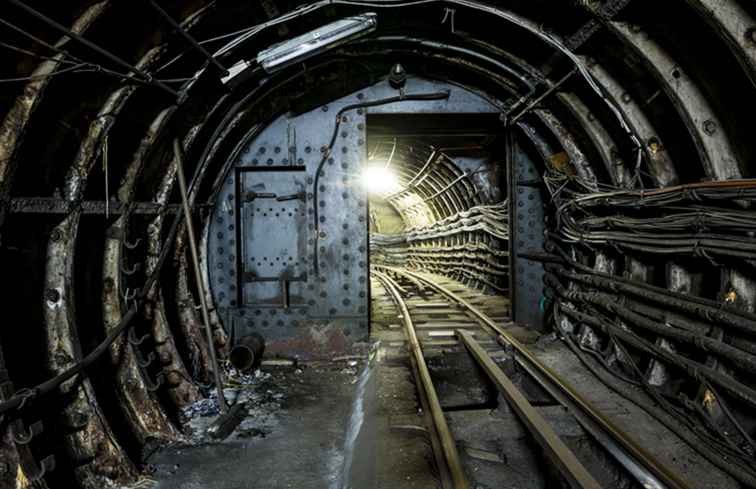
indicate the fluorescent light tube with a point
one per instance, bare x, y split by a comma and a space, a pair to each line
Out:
314, 42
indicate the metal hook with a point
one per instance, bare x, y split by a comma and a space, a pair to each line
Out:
24, 394
134, 340
132, 246
23, 436
129, 295
153, 386
130, 271
449, 14
47, 465
140, 359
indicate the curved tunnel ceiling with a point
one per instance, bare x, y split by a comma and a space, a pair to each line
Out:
607, 96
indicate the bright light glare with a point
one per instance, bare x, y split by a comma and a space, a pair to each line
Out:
380, 180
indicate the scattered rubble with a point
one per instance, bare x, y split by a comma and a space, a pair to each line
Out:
264, 393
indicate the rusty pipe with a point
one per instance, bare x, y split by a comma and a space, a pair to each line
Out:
179, 152
247, 353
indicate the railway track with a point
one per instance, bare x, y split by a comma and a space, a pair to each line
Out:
436, 315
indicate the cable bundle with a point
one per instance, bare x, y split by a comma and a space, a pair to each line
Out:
471, 244
705, 346
718, 222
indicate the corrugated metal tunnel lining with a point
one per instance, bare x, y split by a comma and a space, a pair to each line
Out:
605, 190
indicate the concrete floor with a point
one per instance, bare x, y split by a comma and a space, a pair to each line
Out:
299, 444
329, 425
356, 424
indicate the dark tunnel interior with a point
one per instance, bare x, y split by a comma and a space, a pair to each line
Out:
361, 244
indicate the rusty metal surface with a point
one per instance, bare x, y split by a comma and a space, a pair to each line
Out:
189, 322
219, 334
281, 313
714, 148
568, 142
736, 26
663, 172
9, 463
95, 452
92, 446
54, 205
96, 456
181, 390
180, 387
657, 158
277, 158
602, 140
324, 335
704, 125
188, 222
14, 125
92, 144
319, 339
19, 468
181, 376
133, 385
140, 407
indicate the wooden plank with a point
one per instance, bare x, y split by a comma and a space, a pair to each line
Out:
431, 305
451, 326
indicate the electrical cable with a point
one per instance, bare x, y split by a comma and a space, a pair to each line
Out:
42, 77
94, 47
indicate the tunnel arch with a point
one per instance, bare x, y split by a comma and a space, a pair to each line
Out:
597, 94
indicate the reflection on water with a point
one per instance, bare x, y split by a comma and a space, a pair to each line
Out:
355, 457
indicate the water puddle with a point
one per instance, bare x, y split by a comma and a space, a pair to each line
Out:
357, 457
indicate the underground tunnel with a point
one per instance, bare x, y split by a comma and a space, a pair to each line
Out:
368, 244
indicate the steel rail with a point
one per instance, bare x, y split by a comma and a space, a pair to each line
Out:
589, 418
444, 475
448, 445
641, 460
554, 447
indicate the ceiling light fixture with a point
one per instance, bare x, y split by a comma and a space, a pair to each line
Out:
315, 42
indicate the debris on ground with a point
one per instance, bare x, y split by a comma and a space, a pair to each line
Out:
264, 393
